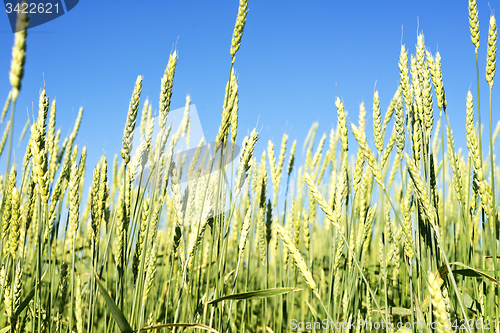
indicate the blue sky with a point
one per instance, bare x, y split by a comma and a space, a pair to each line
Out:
295, 58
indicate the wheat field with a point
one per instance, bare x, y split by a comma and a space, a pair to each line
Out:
400, 235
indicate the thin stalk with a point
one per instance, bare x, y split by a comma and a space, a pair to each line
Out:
479, 112
493, 217
439, 243
72, 284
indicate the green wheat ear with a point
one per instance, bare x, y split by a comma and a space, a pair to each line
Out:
377, 123
342, 125
474, 24
128, 131
244, 165
491, 57
297, 257
439, 307
167, 83
18, 54
238, 28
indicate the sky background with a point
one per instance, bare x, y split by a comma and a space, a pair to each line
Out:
295, 58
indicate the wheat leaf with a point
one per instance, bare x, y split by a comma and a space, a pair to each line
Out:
256, 294
199, 326
120, 319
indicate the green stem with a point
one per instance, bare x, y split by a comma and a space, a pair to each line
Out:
72, 284
479, 113
493, 217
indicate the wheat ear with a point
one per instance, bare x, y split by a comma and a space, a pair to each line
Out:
167, 83
18, 54
491, 56
438, 303
377, 123
474, 24
128, 131
297, 257
372, 163
342, 125
244, 165
321, 200
238, 28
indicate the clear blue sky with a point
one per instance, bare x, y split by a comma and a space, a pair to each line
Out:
296, 57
